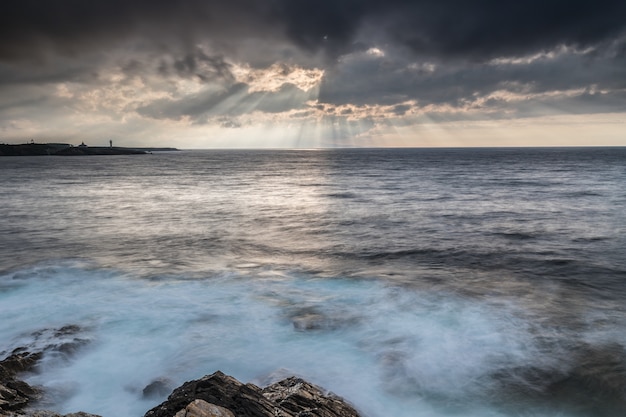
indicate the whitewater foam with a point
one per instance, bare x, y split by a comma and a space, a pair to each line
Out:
388, 349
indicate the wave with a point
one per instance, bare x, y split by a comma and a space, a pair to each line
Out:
385, 347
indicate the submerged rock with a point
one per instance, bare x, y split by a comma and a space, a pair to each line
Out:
310, 319
158, 388
220, 395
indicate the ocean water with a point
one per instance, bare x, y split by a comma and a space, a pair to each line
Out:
411, 282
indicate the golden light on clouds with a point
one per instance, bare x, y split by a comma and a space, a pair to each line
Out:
208, 74
272, 78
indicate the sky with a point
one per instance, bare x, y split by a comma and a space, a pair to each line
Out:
307, 74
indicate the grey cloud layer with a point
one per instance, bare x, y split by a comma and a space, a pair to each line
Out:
367, 79
432, 52
474, 29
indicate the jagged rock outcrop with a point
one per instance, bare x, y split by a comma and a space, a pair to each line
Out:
14, 393
200, 408
220, 395
216, 395
304, 399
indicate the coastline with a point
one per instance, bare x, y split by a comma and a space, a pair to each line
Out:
62, 149
215, 395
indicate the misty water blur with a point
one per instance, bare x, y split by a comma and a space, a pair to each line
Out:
444, 281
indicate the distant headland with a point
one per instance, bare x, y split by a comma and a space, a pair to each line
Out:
64, 149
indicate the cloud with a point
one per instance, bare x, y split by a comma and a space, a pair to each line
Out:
35, 27
276, 75
483, 29
478, 29
355, 65
362, 78
199, 65
235, 100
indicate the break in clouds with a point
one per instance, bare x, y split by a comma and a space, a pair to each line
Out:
132, 63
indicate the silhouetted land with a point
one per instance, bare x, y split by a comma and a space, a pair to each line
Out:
30, 149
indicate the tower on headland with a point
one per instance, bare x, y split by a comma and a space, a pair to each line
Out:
110, 143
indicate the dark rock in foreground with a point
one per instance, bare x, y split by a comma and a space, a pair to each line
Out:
220, 395
14, 393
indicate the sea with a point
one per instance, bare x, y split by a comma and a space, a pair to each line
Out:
410, 282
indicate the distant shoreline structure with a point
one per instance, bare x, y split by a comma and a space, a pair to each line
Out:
65, 149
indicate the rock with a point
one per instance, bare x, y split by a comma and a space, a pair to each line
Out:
199, 408
219, 389
305, 399
291, 397
310, 319
159, 388
17, 363
62, 342
10, 399
14, 393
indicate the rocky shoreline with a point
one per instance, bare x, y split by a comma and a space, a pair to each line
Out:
215, 395
220, 395
594, 385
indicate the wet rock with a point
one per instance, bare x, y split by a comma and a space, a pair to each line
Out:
10, 399
18, 362
292, 397
70, 329
158, 388
14, 393
62, 342
310, 319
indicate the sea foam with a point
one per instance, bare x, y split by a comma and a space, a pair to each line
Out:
388, 349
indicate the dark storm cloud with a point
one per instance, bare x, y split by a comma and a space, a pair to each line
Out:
368, 79
488, 28
476, 29
30, 28
393, 53
199, 65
